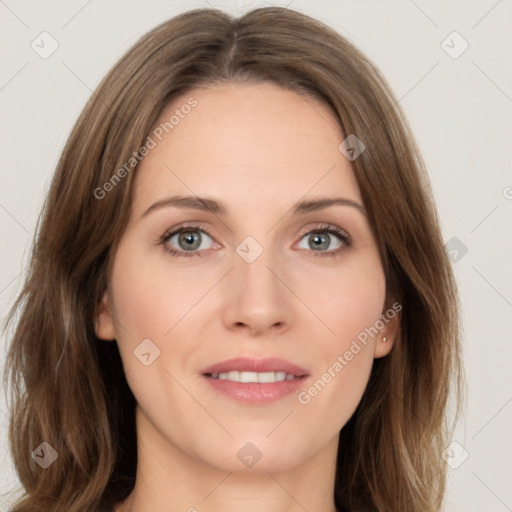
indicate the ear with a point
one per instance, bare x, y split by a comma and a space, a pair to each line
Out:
390, 317
104, 321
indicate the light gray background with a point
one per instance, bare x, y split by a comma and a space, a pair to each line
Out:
460, 110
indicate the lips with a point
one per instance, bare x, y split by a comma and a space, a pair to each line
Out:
255, 381
245, 364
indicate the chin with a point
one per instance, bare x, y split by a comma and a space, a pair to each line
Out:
255, 453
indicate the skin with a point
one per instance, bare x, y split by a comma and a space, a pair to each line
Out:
259, 149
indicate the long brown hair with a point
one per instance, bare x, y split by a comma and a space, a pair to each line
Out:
68, 388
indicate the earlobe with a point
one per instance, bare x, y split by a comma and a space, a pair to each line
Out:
104, 321
383, 346
387, 335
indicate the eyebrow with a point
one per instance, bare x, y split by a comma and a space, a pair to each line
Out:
216, 207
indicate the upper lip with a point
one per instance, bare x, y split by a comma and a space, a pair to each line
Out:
246, 364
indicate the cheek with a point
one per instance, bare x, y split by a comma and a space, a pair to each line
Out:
350, 306
351, 298
152, 295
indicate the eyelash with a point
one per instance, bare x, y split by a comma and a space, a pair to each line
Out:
344, 237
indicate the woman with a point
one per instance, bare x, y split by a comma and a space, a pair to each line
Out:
238, 294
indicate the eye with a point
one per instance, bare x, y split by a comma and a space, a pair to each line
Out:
189, 241
321, 237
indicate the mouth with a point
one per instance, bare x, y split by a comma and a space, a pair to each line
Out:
260, 377
255, 381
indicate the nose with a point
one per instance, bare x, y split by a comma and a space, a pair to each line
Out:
258, 298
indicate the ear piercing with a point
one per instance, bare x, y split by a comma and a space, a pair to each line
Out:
384, 339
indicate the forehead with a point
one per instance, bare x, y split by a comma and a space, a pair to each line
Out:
248, 143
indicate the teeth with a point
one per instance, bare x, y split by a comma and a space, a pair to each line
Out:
269, 376
262, 377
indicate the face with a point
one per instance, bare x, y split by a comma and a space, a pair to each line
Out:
291, 293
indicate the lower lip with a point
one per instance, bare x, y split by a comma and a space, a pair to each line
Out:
254, 392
